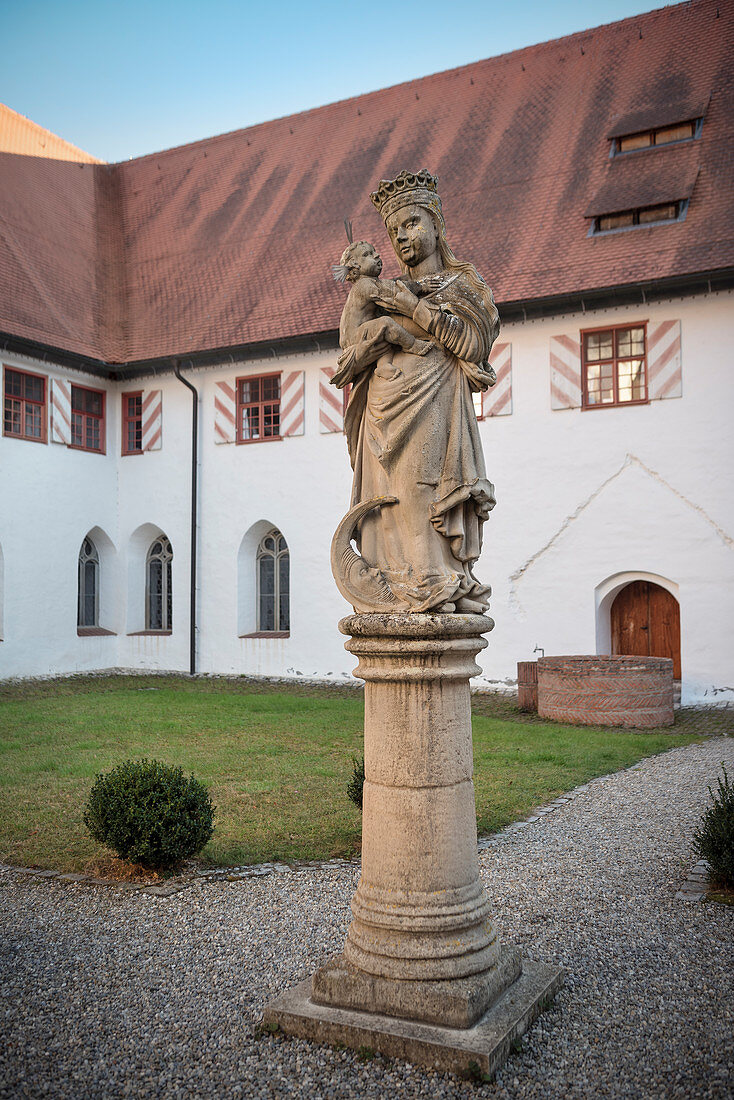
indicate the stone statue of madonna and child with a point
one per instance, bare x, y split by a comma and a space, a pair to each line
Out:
421, 945
414, 350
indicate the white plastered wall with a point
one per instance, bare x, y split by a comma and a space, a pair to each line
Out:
583, 498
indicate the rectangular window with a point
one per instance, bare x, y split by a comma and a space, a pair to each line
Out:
87, 419
132, 423
614, 366
662, 135
645, 215
258, 408
25, 405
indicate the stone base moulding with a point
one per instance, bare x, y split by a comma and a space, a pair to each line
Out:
464, 1051
456, 1002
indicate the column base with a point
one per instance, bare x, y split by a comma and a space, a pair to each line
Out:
454, 1002
470, 1051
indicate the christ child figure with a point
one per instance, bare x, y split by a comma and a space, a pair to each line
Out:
362, 326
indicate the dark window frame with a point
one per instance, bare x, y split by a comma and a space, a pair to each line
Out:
87, 557
654, 132
87, 416
23, 401
127, 420
266, 407
615, 360
681, 209
159, 604
279, 553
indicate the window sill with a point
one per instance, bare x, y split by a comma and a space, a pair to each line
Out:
25, 438
95, 632
615, 405
265, 439
148, 633
267, 634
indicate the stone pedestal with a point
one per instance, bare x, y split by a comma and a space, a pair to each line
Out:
421, 946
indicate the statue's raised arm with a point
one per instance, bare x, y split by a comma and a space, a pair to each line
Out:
410, 422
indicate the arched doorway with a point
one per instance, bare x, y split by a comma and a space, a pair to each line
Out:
645, 622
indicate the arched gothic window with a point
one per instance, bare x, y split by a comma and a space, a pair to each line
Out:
159, 590
88, 596
273, 583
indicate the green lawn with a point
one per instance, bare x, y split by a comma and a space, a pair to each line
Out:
276, 760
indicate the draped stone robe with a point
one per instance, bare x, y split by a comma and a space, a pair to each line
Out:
412, 433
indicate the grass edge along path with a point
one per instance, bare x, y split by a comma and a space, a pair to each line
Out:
276, 759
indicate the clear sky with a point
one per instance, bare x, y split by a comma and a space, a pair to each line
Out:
125, 77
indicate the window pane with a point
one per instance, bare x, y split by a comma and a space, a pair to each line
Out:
33, 426
284, 622
634, 141
665, 213
250, 428
13, 383
134, 436
13, 417
598, 346
674, 133
89, 572
155, 595
169, 597
271, 388
33, 388
600, 385
249, 390
616, 221
267, 593
631, 380
92, 434
630, 341
271, 419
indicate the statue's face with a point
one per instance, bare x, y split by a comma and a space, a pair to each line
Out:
367, 261
413, 234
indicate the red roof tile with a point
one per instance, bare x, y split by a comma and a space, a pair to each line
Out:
229, 241
646, 178
19, 134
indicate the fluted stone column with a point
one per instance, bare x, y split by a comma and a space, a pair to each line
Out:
421, 944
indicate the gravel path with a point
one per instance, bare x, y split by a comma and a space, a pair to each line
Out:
108, 994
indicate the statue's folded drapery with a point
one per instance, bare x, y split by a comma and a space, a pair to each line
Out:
412, 433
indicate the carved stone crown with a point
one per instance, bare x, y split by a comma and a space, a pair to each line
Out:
407, 187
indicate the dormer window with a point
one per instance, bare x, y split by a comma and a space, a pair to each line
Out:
662, 135
646, 215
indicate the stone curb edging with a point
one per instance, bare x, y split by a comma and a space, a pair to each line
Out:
696, 885
692, 890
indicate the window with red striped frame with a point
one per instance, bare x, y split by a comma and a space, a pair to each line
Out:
614, 366
132, 423
88, 419
258, 408
25, 405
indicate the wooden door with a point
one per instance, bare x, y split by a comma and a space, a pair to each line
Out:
645, 620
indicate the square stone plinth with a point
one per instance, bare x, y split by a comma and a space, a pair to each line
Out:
455, 1003
453, 1050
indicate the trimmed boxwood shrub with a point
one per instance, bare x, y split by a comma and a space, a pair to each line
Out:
150, 813
714, 839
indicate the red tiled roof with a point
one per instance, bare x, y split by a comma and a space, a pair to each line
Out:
647, 178
229, 241
19, 134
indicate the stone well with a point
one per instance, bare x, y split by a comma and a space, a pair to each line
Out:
606, 691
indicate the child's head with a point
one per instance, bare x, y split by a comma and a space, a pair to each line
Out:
360, 258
